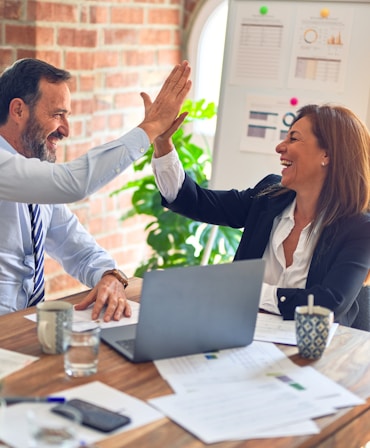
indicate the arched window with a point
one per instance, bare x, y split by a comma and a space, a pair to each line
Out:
205, 48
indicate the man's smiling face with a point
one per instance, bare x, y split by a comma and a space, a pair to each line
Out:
47, 122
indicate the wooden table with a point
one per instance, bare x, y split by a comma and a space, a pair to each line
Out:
346, 361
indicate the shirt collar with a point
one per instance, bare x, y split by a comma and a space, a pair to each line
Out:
288, 213
6, 146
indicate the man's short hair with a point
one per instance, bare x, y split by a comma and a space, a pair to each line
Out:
22, 79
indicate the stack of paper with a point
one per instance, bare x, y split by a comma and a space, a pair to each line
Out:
246, 393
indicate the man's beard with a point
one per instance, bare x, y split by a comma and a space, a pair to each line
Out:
34, 143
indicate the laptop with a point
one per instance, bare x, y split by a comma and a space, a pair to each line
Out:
188, 310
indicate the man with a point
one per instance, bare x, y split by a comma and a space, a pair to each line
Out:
74, 180
35, 104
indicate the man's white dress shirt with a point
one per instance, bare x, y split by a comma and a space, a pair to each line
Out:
66, 240
33, 181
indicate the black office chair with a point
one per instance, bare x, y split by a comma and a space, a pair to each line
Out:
362, 321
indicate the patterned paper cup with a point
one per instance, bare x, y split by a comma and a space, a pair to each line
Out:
312, 330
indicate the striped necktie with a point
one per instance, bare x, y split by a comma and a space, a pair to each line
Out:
38, 249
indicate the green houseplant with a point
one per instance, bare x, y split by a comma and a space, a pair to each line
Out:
175, 240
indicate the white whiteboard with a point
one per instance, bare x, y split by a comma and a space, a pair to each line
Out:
305, 52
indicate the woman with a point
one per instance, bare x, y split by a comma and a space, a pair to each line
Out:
311, 224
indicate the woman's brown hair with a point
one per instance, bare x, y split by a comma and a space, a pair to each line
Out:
346, 139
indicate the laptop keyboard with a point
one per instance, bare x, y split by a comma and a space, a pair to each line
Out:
127, 344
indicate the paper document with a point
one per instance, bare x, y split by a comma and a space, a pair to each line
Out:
15, 432
307, 382
272, 328
85, 316
240, 383
237, 411
12, 361
255, 360
259, 360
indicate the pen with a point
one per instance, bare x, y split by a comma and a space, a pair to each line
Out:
12, 400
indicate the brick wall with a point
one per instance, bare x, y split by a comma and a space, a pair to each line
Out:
114, 49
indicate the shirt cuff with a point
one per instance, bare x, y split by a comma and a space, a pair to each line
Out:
268, 298
169, 175
168, 160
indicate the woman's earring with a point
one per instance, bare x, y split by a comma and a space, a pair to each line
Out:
323, 164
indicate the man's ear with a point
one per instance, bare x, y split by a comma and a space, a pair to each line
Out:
17, 109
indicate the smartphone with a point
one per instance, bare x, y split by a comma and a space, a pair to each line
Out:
94, 416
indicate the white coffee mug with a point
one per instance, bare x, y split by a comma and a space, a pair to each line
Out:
52, 317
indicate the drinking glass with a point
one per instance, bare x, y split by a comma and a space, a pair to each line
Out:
81, 344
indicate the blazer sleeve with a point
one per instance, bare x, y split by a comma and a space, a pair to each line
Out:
219, 207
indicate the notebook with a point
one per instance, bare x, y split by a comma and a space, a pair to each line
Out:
188, 310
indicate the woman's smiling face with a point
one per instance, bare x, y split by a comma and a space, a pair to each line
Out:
303, 160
